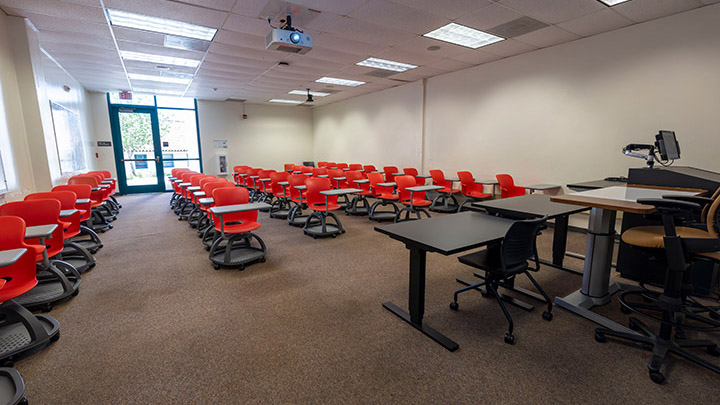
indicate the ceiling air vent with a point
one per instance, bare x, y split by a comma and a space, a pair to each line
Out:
518, 27
381, 73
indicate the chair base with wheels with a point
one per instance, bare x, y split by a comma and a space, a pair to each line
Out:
408, 211
77, 256
56, 283
88, 239
297, 218
316, 225
359, 205
237, 251
12, 387
383, 215
21, 331
445, 202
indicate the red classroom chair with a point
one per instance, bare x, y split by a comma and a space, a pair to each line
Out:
413, 201
445, 194
322, 206
384, 196
508, 188
468, 188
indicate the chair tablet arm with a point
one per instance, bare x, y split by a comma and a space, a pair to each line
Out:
690, 198
669, 206
701, 245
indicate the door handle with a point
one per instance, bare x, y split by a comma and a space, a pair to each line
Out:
122, 160
157, 159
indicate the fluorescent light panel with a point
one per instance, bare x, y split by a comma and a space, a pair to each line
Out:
160, 59
158, 91
312, 93
613, 2
155, 24
462, 35
164, 79
341, 82
281, 100
386, 64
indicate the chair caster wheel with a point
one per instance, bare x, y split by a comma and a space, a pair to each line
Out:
46, 308
23, 401
76, 292
207, 248
334, 236
454, 306
633, 326
548, 316
657, 377
8, 362
624, 309
484, 293
55, 338
262, 260
216, 266
713, 351
600, 337
510, 338
179, 219
241, 268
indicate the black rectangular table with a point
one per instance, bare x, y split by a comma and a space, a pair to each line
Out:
594, 185
446, 235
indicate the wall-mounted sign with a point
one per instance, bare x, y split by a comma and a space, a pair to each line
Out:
125, 95
166, 144
104, 143
220, 143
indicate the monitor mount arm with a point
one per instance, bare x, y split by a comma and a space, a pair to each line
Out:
630, 150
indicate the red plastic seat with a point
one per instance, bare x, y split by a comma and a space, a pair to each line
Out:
390, 173
438, 179
39, 212
319, 171
20, 277
508, 188
385, 197
238, 222
342, 166
295, 215
413, 201
359, 204
335, 175
419, 181
67, 199
82, 192
369, 169
355, 166
468, 188
317, 201
445, 195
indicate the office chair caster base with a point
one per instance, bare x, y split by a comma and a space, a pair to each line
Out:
510, 338
548, 316
454, 306
657, 377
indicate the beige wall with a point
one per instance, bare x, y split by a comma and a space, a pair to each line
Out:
270, 137
30, 80
383, 128
557, 115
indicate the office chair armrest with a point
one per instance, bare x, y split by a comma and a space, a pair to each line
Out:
669, 206
701, 245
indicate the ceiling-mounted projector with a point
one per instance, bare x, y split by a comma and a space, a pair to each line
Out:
288, 41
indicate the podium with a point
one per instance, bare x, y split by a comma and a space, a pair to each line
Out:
631, 263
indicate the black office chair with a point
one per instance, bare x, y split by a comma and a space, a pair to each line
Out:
505, 260
675, 308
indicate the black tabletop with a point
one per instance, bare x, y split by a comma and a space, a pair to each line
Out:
593, 185
449, 234
528, 206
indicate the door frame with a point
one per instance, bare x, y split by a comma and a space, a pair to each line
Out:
115, 111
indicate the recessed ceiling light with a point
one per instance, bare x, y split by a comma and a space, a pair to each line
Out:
164, 79
165, 60
341, 82
147, 23
158, 91
612, 2
281, 100
312, 93
386, 64
462, 35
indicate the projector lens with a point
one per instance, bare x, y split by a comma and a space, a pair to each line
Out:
294, 37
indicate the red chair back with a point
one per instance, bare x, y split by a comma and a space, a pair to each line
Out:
355, 166
39, 212
67, 202
335, 173
317, 171
403, 182
376, 178
277, 189
20, 276
296, 180
82, 192
342, 166
314, 186
467, 182
369, 168
288, 167
508, 188
390, 173
352, 175
232, 196
419, 181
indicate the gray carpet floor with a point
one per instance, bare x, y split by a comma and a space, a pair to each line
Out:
155, 323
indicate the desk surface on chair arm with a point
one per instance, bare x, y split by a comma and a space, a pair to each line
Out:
9, 257
40, 231
229, 209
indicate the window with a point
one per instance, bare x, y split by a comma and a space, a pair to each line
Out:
166, 162
137, 99
68, 139
141, 164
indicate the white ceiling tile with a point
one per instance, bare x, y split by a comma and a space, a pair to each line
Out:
158, 50
247, 25
368, 32
399, 17
548, 36
71, 38
644, 10
52, 23
419, 73
595, 23
420, 45
508, 47
554, 11
248, 52
221, 5
342, 7
448, 9
335, 56
54, 8
450, 65
221, 67
172, 11
137, 67
239, 39
318, 21
399, 54
252, 8
337, 43
710, 1
489, 17
476, 57
239, 61
311, 62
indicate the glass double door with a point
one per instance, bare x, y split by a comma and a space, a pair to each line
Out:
149, 142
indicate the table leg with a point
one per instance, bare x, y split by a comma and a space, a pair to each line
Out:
559, 248
596, 287
416, 301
